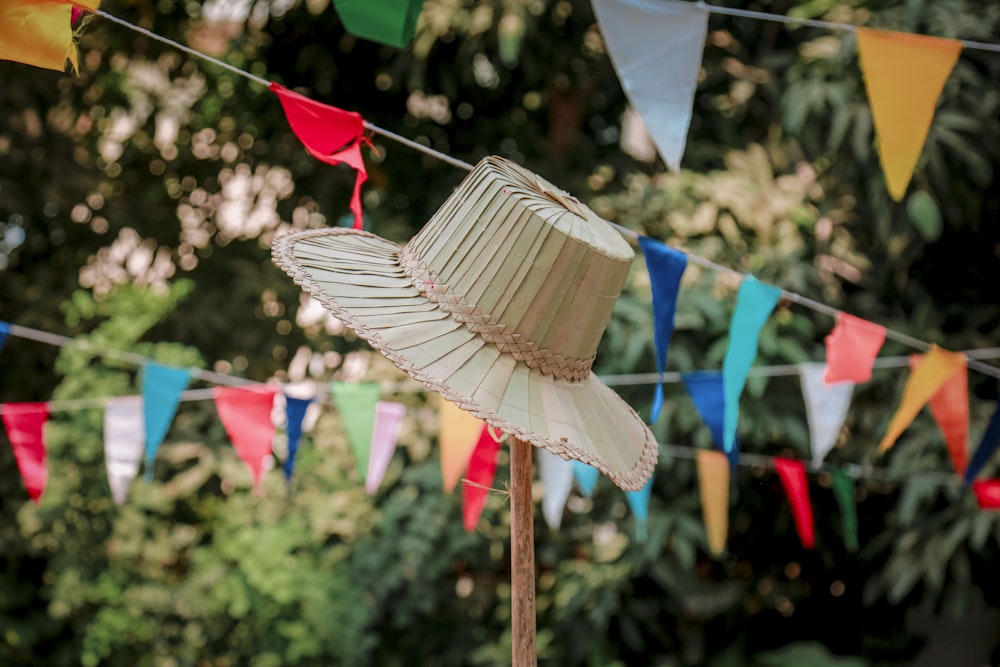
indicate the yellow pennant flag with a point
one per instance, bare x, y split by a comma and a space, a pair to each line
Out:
934, 369
904, 75
39, 32
459, 433
713, 482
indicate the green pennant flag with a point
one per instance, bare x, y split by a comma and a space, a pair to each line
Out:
843, 489
391, 22
356, 403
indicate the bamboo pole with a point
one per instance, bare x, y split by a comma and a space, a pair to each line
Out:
522, 557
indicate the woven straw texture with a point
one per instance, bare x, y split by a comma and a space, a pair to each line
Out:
497, 304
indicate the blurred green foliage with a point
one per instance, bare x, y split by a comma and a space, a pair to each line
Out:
155, 183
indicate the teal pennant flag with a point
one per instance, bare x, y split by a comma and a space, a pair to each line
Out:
754, 304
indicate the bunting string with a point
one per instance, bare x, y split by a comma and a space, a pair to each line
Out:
816, 23
811, 304
212, 377
444, 157
742, 459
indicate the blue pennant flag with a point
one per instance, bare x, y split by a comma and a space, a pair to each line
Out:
586, 477
4, 331
161, 393
709, 398
988, 445
666, 267
638, 502
295, 412
754, 304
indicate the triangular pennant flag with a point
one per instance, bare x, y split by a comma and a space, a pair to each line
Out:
851, 349
557, 477
904, 75
586, 477
988, 445
246, 416
950, 407
295, 412
391, 22
459, 431
4, 332
843, 489
388, 424
482, 470
656, 48
123, 443
666, 267
934, 368
708, 395
713, 484
37, 33
826, 408
331, 135
357, 404
638, 502
987, 493
754, 303
793, 477
25, 424
161, 393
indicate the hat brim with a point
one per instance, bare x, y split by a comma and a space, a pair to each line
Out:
357, 276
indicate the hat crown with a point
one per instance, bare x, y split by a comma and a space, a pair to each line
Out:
524, 264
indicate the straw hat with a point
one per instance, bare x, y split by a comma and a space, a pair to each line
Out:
497, 304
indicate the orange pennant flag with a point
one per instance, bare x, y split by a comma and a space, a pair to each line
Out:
950, 407
713, 482
36, 33
39, 32
934, 368
904, 75
459, 433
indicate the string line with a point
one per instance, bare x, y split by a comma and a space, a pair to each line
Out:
891, 334
816, 23
619, 380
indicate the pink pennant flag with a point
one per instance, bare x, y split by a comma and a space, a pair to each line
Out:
932, 371
388, 424
482, 470
246, 416
331, 135
851, 349
987, 493
793, 478
950, 408
25, 423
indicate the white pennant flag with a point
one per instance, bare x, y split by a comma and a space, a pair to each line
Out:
388, 424
557, 477
656, 48
124, 443
826, 408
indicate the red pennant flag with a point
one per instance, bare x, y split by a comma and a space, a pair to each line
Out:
987, 493
950, 407
24, 423
481, 471
793, 478
246, 416
851, 349
330, 135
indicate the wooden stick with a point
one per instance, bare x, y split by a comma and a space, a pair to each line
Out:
522, 557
